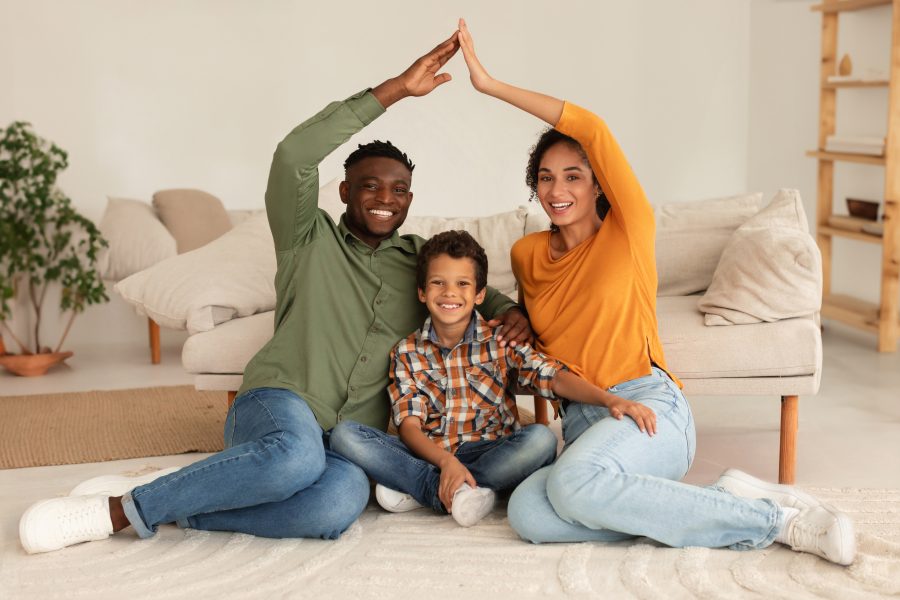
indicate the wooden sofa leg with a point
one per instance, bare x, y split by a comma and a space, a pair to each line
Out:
540, 411
231, 396
154, 340
787, 460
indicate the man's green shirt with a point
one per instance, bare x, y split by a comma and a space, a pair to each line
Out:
340, 305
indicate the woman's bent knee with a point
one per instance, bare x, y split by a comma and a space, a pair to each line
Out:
524, 509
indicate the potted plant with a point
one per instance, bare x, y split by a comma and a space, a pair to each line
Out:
44, 241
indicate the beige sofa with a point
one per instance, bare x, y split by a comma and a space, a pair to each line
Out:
781, 358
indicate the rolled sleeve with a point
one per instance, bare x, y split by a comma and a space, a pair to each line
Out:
536, 370
405, 398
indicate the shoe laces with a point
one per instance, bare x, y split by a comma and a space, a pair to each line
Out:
84, 521
805, 535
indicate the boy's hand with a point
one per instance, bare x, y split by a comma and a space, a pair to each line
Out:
453, 475
640, 414
515, 327
421, 77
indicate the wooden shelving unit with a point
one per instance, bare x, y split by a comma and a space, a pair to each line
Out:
881, 319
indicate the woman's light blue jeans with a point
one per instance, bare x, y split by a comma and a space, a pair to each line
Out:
276, 478
613, 482
499, 464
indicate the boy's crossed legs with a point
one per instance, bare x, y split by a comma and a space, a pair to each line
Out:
497, 465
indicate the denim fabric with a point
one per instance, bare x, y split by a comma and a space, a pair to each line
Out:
499, 464
276, 478
612, 482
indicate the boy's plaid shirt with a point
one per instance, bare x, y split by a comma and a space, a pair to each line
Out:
462, 394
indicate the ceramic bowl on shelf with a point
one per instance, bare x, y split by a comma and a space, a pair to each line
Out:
863, 209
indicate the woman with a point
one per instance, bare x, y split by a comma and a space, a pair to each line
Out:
589, 285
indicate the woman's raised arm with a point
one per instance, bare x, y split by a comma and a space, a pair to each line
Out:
546, 108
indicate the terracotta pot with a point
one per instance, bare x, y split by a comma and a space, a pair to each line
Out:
32, 365
2, 347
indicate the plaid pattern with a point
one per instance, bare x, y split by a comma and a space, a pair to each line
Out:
462, 394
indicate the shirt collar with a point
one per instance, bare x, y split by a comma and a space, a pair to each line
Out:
477, 331
395, 241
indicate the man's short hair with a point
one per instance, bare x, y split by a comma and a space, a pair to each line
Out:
378, 148
456, 244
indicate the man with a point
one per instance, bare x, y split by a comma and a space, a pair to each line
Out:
345, 294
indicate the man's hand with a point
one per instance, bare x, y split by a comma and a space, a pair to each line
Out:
515, 328
453, 475
421, 77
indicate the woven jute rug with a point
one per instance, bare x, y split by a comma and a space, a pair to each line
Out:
61, 429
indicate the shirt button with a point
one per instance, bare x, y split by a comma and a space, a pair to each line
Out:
363, 359
378, 301
352, 388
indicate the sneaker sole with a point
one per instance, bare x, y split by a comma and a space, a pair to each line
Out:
117, 485
400, 507
803, 500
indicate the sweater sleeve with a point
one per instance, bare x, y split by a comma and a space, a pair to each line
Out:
630, 208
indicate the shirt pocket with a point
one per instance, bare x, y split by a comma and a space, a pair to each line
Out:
431, 384
485, 386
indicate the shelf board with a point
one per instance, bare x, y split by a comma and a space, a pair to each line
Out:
853, 235
843, 5
855, 83
852, 311
868, 159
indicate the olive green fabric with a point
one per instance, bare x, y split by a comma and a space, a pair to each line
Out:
341, 305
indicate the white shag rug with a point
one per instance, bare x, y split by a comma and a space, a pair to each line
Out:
423, 556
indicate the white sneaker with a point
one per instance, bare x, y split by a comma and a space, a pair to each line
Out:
394, 501
470, 505
824, 531
53, 524
744, 485
117, 485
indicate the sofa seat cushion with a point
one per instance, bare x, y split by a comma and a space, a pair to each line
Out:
228, 347
785, 348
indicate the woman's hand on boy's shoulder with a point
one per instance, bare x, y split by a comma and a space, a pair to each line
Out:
514, 327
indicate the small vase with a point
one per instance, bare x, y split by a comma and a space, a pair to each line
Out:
32, 365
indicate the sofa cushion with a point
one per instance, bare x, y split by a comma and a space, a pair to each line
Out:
137, 239
787, 348
230, 346
229, 277
784, 348
770, 270
193, 217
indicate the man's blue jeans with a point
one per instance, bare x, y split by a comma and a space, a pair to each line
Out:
499, 464
613, 482
276, 478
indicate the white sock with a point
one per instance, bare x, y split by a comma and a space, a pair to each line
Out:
789, 515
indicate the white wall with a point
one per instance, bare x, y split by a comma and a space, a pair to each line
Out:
785, 47
146, 95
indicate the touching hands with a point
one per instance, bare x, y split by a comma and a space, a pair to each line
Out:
422, 76
639, 413
453, 475
515, 328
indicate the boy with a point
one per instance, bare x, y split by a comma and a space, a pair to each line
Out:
459, 438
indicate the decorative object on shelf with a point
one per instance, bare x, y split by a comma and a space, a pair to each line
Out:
845, 68
863, 209
43, 241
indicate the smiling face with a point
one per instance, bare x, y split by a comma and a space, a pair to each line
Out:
450, 293
566, 186
377, 194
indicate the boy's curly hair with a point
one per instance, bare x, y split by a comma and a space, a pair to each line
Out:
456, 244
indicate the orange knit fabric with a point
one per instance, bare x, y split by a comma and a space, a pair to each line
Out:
595, 307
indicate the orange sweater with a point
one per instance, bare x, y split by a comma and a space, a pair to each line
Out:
595, 307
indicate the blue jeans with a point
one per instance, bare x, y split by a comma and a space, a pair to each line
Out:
276, 478
613, 482
499, 464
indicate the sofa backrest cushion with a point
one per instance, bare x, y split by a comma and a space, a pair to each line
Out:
193, 217
137, 239
771, 268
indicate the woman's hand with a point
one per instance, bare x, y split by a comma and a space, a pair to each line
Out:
477, 73
453, 475
640, 414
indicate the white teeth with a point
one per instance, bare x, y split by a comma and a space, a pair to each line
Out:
449, 306
381, 213
561, 205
